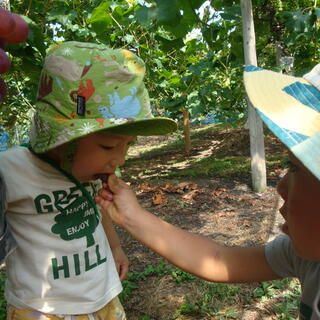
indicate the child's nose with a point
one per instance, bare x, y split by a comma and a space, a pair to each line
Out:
282, 187
118, 160
121, 160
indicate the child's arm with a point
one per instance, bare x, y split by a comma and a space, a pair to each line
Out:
120, 258
193, 253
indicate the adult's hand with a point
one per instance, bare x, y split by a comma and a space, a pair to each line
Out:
14, 30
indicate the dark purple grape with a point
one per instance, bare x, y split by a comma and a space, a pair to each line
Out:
7, 23
4, 62
20, 31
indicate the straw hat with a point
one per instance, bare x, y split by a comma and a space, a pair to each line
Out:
290, 107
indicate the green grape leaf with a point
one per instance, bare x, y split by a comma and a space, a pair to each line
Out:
100, 18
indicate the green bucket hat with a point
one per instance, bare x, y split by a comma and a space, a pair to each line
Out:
85, 88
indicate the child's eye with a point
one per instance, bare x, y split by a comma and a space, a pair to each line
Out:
106, 147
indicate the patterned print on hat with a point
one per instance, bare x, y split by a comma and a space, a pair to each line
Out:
86, 87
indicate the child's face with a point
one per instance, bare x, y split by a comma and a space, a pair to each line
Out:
99, 153
300, 191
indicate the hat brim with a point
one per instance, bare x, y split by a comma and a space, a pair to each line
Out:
290, 107
62, 129
144, 127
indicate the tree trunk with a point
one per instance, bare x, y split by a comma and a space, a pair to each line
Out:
258, 164
186, 130
278, 53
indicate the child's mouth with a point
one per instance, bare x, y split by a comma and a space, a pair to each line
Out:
102, 176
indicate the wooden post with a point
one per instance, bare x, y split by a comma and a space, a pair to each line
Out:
258, 164
278, 53
186, 130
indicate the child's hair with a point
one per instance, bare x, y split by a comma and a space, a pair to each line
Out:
85, 88
290, 107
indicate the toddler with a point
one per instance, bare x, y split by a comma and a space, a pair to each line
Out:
91, 105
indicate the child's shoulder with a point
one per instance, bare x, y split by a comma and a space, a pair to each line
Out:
16, 158
16, 153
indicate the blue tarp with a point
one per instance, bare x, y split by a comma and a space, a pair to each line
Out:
4, 137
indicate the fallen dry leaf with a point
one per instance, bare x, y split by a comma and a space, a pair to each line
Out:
169, 188
145, 187
159, 198
191, 194
218, 191
182, 185
187, 185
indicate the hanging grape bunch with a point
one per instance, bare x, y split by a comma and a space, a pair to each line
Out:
13, 29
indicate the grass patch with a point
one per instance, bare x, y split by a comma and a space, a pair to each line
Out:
213, 166
218, 300
213, 299
3, 303
283, 295
193, 167
148, 152
221, 301
201, 167
177, 143
162, 269
217, 151
280, 162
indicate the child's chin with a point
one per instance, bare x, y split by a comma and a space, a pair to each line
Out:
285, 228
308, 253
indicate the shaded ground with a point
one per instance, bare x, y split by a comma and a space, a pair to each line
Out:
221, 208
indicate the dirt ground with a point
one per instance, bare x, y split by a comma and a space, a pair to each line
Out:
221, 208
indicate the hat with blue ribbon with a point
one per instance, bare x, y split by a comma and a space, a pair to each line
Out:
290, 107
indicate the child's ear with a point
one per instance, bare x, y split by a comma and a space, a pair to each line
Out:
53, 153
59, 154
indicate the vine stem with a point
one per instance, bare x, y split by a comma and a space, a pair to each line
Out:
29, 7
